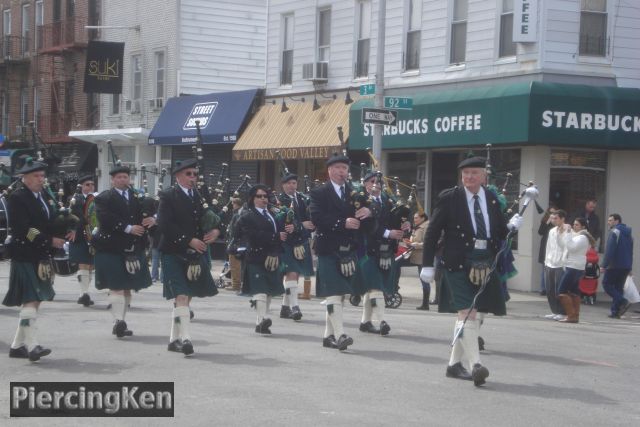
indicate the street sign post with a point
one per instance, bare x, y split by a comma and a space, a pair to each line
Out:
379, 117
398, 103
368, 89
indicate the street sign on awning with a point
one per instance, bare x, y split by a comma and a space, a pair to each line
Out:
379, 116
368, 89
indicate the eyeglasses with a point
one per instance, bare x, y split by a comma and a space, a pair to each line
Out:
261, 196
87, 184
189, 173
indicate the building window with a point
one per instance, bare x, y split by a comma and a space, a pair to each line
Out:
286, 70
507, 45
136, 83
160, 64
39, 23
24, 106
36, 107
6, 22
414, 26
324, 34
593, 27
26, 29
459, 32
364, 38
115, 103
71, 8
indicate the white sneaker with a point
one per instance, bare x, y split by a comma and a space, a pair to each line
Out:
550, 316
559, 317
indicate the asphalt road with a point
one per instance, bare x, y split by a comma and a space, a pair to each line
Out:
542, 372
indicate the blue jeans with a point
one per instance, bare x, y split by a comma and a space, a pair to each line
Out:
426, 286
569, 283
155, 264
613, 284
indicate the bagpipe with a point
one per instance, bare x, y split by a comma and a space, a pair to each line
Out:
210, 219
287, 205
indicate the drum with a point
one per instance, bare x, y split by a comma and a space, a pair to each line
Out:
63, 267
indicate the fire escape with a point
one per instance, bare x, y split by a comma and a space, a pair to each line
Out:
15, 58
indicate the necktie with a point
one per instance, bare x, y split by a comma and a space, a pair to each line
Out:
266, 215
191, 193
342, 195
43, 206
481, 228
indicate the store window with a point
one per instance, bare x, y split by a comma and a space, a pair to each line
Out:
408, 168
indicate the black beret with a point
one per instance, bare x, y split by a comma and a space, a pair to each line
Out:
31, 165
288, 177
338, 158
473, 162
120, 169
184, 164
85, 178
370, 174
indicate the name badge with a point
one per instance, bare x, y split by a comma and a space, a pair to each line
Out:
480, 244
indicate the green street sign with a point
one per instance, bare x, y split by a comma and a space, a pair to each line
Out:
398, 103
368, 89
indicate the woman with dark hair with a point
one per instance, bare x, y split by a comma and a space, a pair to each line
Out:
576, 242
420, 222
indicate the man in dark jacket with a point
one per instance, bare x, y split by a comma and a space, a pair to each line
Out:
617, 263
79, 250
589, 214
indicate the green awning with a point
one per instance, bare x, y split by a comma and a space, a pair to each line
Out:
522, 113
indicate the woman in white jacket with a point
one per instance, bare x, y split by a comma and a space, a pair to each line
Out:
575, 243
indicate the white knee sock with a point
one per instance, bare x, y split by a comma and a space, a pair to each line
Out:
366, 308
269, 297
334, 309
175, 321
26, 327
377, 304
127, 303
118, 305
285, 299
328, 329
470, 342
292, 285
182, 313
261, 307
84, 279
456, 351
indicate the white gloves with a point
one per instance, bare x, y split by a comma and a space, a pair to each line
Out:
427, 274
515, 222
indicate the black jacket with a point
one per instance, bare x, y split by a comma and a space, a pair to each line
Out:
259, 234
179, 219
452, 216
25, 212
114, 214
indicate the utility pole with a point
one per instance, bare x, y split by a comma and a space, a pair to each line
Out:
379, 98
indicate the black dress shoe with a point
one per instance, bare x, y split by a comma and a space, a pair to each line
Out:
187, 347
480, 343
20, 352
263, 327
191, 315
85, 300
623, 308
38, 352
296, 314
175, 345
368, 327
458, 371
329, 342
343, 342
384, 328
479, 374
285, 312
120, 329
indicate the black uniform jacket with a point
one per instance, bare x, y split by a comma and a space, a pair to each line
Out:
77, 209
114, 214
25, 212
179, 219
452, 216
383, 216
259, 233
302, 213
329, 215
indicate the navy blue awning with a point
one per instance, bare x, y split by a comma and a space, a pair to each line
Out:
222, 117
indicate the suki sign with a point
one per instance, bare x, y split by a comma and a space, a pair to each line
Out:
203, 112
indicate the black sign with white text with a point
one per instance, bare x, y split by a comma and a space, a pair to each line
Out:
103, 72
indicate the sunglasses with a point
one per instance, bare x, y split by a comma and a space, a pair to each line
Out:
261, 196
189, 173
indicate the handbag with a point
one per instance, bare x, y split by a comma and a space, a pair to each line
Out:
630, 291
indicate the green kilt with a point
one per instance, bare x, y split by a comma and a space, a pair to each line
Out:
25, 285
457, 291
79, 251
329, 280
368, 276
261, 281
390, 278
303, 267
174, 278
112, 274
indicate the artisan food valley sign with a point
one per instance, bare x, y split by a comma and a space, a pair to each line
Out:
287, 153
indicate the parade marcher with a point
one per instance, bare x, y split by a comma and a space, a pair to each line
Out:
296, 258
264, 235
420, 221
337, 222
30, 214
474, 227
80, 251
617, 263
186, 266
120, 262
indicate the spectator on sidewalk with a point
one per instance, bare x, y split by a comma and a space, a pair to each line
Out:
543, 232
553, 265
617, 263
589, 214
420, 223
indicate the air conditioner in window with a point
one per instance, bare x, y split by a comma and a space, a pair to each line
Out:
156, 104
315, 71
132, 106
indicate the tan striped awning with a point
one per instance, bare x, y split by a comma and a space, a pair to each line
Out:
299, 133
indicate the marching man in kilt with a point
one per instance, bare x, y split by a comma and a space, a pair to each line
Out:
31, 275
263, 272
186, 265
474, 227
337, 221
296, 258
120, 261
79, 250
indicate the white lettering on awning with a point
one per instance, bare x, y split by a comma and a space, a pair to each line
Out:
590, 121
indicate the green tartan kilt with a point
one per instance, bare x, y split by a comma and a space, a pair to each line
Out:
457, 291
25, 285
303, 267
261, 281
175, 282
329, 280
79, 251
112, 274
368, 276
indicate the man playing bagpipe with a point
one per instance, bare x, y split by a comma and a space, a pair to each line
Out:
186, 266
263, 273
120, 261
296, 258
80, 251
340, 215
31, 219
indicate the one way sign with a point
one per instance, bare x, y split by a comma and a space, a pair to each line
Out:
379, 117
